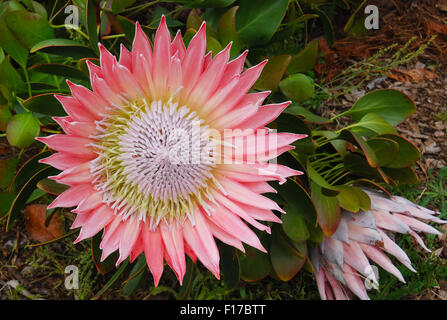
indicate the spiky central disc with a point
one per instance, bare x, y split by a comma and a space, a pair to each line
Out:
154, 161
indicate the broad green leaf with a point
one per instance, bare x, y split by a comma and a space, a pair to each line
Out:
408, 152
117, 6
338, 144
375, 123
10, 77
5, 117
310, 117
229, 263
294, 225
287, 122
272, 73
402, 175
22, 129
213, 45
46, 104
255, 265
298, 200
226, 31
297, 87
6, 200
24, 193
257, 21
187, 37
385, 150
364, 200
91, 23
348, 199
11, 45
351, 20
156, 18
136, 276
185, 288
358, 165
328, 28
392, 105
193, 21
28, 169
305, 60
204, 3
52, 187
113, 279
328, 210
128, 27
359, 141
286, 260
36, 194
7, 171
63, 47
28, 27
59, 69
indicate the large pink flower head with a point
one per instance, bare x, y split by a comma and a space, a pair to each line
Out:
169, 152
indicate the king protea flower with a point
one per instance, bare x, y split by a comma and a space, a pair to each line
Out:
341, 262
121, 140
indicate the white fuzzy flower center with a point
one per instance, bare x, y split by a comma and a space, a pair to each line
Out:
153, 161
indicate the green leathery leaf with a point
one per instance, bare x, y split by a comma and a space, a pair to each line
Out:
63, 47
385, 149
358, 140
392, 105
229, 263
297, 87
28, 27
226, 31
294, 225
408, 152
113, 279
298, 200
5, 117
305, 60
52, 187
255, 265
310, 117
272, 73
185, 288
257, 21
136, 276
11, 45
375, 123
24, 193
28, 169
348, 199
6, 200
7, 171
328, 210
402, 175
91, 24
22, 129
45, 103
286, 260
59, 69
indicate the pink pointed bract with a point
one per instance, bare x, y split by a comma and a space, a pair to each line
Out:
342, 262
169, 152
